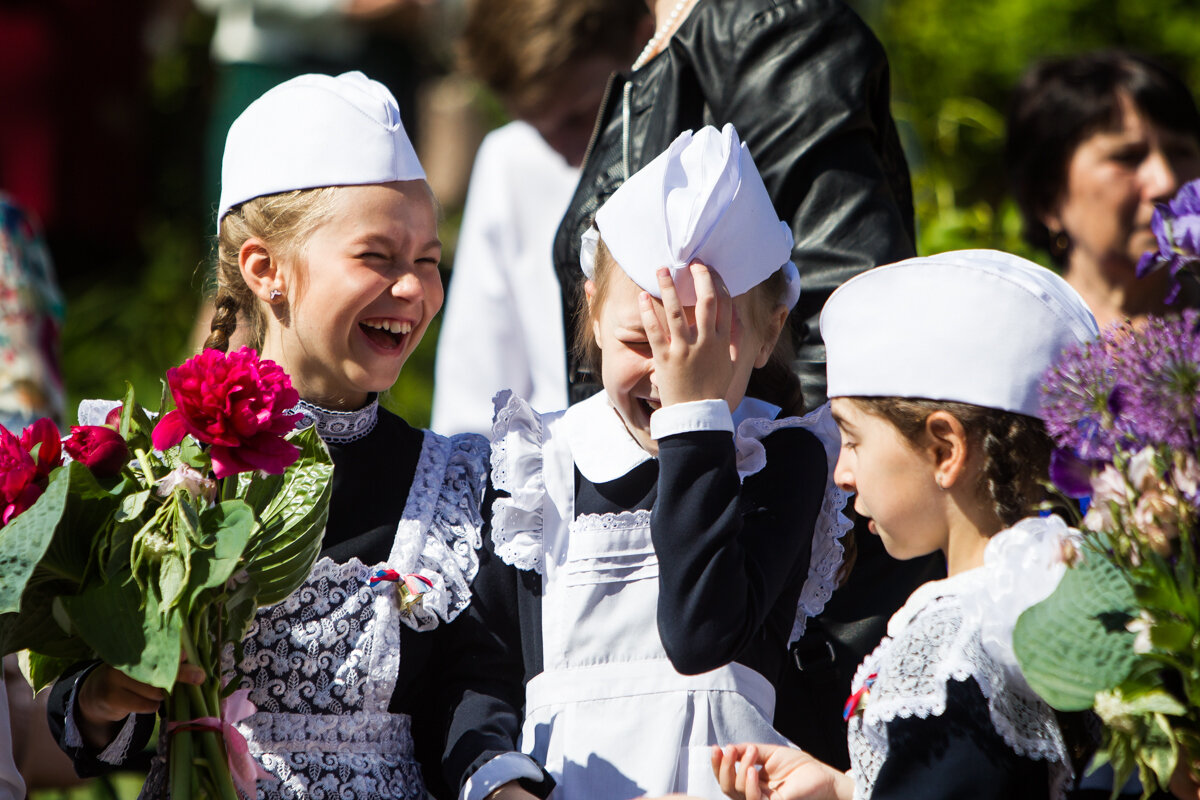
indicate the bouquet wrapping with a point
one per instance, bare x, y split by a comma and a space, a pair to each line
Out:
159, 539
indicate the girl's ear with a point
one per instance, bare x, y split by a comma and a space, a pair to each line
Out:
589, 293
948, 445
774, 329
260, 271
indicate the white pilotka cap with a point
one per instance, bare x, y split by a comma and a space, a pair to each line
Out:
969, 326
701, 200
313, 131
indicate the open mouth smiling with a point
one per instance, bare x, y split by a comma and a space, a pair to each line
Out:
388, 334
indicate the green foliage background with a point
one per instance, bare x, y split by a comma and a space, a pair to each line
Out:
953, 63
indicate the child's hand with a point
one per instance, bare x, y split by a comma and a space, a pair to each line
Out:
692, 359
108, 696
757, 771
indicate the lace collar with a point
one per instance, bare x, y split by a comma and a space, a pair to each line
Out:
340, 427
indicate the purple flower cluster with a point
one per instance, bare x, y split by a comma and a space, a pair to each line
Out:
1176, 225
1133, 388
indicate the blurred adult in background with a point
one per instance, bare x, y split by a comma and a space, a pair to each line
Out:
548, 61
1094, 141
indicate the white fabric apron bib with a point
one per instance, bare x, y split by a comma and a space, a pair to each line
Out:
610, 717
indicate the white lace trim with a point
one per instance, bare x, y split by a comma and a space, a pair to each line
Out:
832, 523
517, 438
914, 665
339, 427
608, 521
438, 536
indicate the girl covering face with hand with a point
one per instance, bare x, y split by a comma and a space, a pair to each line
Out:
328, 260
944, 450
660, 557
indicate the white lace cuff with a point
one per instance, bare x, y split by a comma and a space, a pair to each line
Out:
117, 750
697, 415
439, 537
517, 437
93, 412
832, 523
497, 772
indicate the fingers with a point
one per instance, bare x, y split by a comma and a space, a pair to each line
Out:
725, 766
108, 695
190, 674
655, 325
677, 322
714, 306
747, 779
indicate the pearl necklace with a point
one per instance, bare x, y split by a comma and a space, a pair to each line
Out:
664, 31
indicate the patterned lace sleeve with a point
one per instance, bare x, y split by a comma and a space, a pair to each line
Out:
832, 522
440, 541
517, 437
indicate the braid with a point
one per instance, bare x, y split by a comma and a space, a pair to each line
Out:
1016, 454
224, 322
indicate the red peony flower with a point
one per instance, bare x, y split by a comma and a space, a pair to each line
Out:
18, 477
43, 432
97, 447
238, 405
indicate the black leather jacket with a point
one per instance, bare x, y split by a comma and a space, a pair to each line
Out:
805, 83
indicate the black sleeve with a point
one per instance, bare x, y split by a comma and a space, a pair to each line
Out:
485, 673
957, 754
84, 758
731, 553
806, 85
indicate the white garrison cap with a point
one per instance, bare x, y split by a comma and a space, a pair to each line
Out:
970, 326
312, 131
701, 200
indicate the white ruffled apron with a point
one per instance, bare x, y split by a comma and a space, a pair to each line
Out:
604, 660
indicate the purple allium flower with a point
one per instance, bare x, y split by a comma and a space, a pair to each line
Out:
1077, 401
1158, 367
1071, 474
1176, 226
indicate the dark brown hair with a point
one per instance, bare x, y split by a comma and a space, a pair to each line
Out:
1016, 449
774, 382
1060, 103
519, 48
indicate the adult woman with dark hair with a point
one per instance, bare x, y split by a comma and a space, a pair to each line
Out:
1094, 141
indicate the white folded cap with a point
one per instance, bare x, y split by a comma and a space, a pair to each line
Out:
970, 326
316, 130
701, 200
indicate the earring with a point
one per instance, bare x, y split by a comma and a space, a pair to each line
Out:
938, 481
1060, 243
275, 294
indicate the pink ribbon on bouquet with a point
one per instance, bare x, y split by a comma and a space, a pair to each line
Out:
242, 766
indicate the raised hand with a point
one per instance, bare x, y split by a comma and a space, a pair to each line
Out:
692, 359
773, 772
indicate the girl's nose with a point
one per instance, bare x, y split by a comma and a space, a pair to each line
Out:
843, 475
408, 286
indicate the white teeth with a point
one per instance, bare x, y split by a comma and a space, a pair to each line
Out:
390, 325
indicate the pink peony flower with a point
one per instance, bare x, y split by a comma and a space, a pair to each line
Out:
97, 447
238, 405
18, 477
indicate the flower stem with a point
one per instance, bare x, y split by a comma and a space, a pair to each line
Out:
180, 746
213, 742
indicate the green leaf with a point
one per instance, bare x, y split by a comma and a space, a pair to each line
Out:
141, 642
294, 508
26, 538
41, 670
1159, 752
1174, 636
1089, 654
228, 527
132, 506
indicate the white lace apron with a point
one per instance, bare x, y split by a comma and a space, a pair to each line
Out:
961, 628
609, 717
322, 664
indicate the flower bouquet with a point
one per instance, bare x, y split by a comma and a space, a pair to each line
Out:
1121, 633
161, 538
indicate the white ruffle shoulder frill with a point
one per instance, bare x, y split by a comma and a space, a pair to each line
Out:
518, 433
961, 628
832, 522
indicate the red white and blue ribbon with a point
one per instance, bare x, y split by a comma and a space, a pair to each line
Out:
409, 587
856, 701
